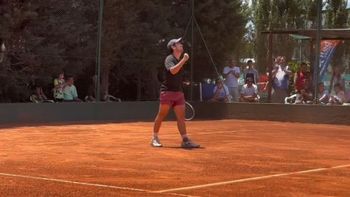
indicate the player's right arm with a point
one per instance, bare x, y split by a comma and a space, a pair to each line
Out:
174, 69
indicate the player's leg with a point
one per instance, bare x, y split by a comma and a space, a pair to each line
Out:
179, 109
162, 113
180, 116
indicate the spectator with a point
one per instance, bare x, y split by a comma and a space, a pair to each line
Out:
251, 72
59, 84
110, 98
280, 76
323, 94
2, 50
221, 92
70, 91
306, 93
337, 78
302, 96
300, 77
39, 96
338, 97
232, 74
90, 97
249, 92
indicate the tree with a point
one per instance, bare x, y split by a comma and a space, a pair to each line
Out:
262, 23
42, 40
133, 46
336, 16
44, 37
223, 26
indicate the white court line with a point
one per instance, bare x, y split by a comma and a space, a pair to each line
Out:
219, 132
251, 179
86, 184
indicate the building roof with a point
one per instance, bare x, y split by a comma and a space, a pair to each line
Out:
310, 34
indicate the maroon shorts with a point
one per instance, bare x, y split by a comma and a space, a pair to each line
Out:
172, 98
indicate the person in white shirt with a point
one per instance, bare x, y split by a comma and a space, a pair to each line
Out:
249, 92
232, 74
280, 83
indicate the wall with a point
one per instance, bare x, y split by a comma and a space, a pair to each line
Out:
31, 113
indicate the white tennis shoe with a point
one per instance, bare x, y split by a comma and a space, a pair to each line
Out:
155, 142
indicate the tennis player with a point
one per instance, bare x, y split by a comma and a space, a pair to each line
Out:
171, 93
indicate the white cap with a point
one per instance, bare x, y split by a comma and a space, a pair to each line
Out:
173, 41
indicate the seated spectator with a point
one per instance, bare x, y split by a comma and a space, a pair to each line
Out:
302, 96
59, 84
221, 92
70, 93
90, 97
249, 92
323, 94
306, 96
39, 96
110, 98
337, 98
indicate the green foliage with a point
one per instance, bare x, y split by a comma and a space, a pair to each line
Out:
294, 14
44, 37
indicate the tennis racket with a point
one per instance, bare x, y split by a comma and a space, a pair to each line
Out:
189, 111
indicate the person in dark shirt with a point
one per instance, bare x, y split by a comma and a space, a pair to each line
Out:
171, 93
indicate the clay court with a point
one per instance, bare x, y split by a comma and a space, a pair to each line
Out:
237, 158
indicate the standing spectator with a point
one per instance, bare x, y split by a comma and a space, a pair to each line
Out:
70, 91
221, 93
338, 97
232, 74
251, 72
249, 92
300, 77
301, 86
2, 50
59, 84
323, 94
280, 76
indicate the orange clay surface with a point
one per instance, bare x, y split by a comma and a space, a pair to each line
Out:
237, 158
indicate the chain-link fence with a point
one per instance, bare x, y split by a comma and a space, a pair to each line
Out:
41, 39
